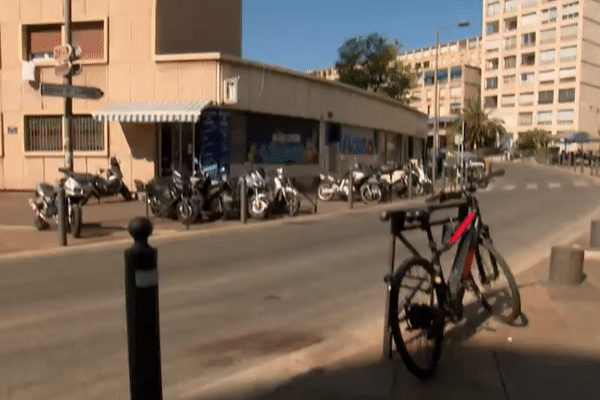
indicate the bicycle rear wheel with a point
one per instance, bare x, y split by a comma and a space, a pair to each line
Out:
500, 288
415, 317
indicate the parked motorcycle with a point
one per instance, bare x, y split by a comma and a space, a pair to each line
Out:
258, 196
332, 186
111, 183
394, 181
286, 198
421, 182
218, 197
78, 188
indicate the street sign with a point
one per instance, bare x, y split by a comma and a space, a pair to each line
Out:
81, 92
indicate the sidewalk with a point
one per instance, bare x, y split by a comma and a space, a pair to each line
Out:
555, 356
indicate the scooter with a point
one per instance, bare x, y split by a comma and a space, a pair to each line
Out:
112, 183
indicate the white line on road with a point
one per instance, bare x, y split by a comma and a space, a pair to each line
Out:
509, 187
580, 183
554, 185
532, 186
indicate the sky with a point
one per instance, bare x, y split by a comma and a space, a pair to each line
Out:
305, 35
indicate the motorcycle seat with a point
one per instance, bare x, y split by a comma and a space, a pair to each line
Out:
83, 177
46, 189
386, 169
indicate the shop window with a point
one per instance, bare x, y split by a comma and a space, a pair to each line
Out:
44, 133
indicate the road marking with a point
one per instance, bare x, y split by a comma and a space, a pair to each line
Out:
532, 186
509, 187
554, 185
580, 183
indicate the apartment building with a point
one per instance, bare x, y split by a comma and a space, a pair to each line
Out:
176, 90
459, 79
542, 65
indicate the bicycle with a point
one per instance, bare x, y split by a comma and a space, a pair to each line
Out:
443, 298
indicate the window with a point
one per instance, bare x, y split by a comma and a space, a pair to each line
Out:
509, 79
442, 76
528, 77
547, 56
568, 53
492, 46
565, 116
528, 39
492, 64
529, 3
490, 102
508, 100
493, 9
491, 83
492, 27
456, 91
567, 74
570, 10
548, 36
544, 118
90, 37
549, 15
546, 77
528, 59
566, 95
510, 24
526, 98
428, 78
455, 74
546, 97
510, 42
510, 62
529, 19
569, 32
44, 133
455, 108
40, 40
418, 66
525, 118
511, 5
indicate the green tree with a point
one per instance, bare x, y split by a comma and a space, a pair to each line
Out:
482, 131
371, 63
534, 139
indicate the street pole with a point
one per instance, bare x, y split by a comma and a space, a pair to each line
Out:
68, 145
436, 111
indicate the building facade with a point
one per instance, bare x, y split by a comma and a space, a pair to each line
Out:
542, 65
459, 79
176, 90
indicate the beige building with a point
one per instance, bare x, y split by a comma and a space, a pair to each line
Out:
542, 64
177, 91
459, 79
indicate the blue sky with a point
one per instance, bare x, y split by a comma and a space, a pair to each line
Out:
306, 34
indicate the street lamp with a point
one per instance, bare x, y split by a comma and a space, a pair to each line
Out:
436, 144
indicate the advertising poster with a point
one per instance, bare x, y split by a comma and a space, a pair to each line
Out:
354, 140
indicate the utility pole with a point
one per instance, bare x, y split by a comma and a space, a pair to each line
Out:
67, 143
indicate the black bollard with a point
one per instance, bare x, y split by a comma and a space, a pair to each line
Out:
243, 200
141, 304
410, 181
62, 213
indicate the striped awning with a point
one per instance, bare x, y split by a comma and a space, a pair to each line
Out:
188, 111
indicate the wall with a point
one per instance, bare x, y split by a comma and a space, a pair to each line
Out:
199, 26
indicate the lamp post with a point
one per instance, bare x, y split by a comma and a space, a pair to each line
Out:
436, 144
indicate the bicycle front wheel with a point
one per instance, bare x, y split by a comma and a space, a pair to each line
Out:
415, 317
500, 288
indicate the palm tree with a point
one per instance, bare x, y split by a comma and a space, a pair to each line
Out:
482, 131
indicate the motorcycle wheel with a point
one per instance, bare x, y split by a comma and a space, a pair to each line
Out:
126, 193
258, 206
325, 192
75, 216
185, 212
40, 223
293, 202
370, 193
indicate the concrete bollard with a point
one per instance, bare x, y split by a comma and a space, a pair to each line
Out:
595, 234
566, 265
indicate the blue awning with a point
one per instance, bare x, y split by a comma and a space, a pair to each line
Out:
185, 111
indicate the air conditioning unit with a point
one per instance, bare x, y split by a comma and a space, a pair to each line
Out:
230, 90
28, 71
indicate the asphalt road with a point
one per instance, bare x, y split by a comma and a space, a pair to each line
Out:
232, 299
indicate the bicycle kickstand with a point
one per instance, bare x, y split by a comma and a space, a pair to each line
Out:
482, 298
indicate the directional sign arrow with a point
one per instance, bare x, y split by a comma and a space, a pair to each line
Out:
81, 92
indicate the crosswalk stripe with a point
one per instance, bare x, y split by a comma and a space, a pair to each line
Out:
509, 187
580, 183
554, 185
532, 186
